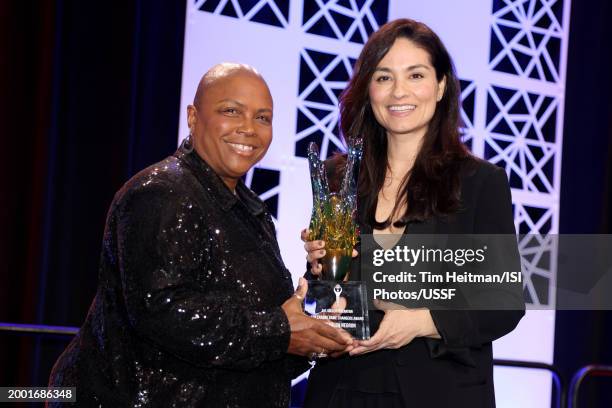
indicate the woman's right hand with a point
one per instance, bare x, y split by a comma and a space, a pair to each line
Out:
310, 336
315, 250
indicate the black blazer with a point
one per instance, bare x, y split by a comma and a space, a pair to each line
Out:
456, 371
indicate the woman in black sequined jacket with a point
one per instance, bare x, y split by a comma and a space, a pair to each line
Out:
194, 305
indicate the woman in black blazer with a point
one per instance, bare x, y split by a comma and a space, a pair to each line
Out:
416, 177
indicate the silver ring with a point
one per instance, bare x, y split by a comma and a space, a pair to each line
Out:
314, 356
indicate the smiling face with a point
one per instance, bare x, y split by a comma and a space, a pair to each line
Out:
232, 126
404, 90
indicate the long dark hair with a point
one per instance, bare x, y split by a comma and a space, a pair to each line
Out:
432, 187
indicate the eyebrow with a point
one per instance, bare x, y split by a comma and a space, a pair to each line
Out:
242, 105
231, 100
410, 68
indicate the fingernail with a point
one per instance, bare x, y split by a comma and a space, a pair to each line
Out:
301, 281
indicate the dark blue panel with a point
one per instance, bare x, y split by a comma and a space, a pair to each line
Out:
310, 8
537, 38
498, 5
544, 106
554, 50
320, 113
247, 5
272, 205
520, 125
524, 40
503, 128
531, 133
536, 213
306, 75
264, 180
337, 92
229, 10
339, 73
492, 109
549, 129
496, 46
343, 22
266, 16
357, 37
536, 151
380, 10
210, 5
533, 98
515, 180
534, 73
557, 9
504, 94
319, 95
283, 6
465, 141
522, 58
468, 102
345, 3
547, 71
321, 59
544, 22
505, 65
322, 27
525, 7
509, 16
302, 121
368, 27
508, 32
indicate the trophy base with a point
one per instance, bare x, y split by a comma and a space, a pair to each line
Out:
341, 304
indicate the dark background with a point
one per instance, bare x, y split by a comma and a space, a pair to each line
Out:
90, 94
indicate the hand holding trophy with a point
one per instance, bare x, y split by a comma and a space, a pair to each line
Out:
334, 298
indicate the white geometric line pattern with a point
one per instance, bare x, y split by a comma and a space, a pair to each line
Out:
323, 76
265, 182
468, 111
521, 137
537, 248
271, 12
536, 252
526, 38
348, 20
531, 219
318, 101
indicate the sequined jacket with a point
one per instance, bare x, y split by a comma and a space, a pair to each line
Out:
187, 311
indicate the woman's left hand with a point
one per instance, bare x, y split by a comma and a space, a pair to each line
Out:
398, 328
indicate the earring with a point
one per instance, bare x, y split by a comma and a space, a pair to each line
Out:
188, 142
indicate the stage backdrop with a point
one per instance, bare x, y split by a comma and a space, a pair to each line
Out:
511, 58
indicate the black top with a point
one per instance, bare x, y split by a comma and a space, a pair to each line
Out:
456, 371
187, 311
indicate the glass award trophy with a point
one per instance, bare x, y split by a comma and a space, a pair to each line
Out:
333, 297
